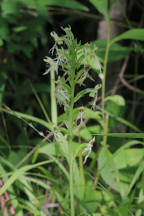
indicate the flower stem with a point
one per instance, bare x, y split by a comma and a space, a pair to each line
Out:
53, 99
70, 128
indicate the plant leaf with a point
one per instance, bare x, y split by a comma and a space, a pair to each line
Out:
67, 4
102, 5
136, 176
17, 173
82, 93
116, 51
122, 135
107, 168
134, 34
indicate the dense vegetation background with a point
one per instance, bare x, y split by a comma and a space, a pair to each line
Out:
37, 185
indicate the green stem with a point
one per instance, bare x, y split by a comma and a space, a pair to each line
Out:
82, 174
53, 99
40, 103
104, 78
70, 127
71, 188
105, 129
134, 102
105, 65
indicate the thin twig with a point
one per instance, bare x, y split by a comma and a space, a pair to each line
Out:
61, 10
124, 82
124, 66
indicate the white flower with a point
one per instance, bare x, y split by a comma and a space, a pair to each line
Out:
88, 149
53, 66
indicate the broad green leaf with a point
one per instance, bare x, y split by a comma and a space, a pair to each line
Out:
119, 100
133, 34
102, 5
9, 7
128, 145
107, 169
50, 148
78, 187
62, 3
84, 133
92, 198
116, 51
115, 106
110, 173
62, 143
128, 157
123, 208
123, 135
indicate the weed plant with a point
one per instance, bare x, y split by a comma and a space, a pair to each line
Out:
77, 166
73, 59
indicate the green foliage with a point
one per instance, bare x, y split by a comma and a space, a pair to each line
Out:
134, 34
116, 52
102, 6
74, 164
21, 36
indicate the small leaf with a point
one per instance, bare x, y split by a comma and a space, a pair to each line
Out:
88, 113
20, 28
79, 149
82, 93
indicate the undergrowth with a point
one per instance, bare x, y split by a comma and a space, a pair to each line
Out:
77, 165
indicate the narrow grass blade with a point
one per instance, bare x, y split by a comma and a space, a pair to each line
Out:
122, 135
